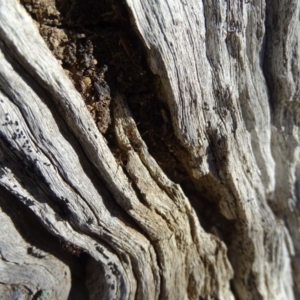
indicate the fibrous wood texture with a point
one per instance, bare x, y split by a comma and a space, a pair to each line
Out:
227, 72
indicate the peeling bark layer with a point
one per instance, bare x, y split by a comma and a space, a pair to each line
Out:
226, 73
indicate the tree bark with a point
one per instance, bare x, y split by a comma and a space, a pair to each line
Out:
89, 210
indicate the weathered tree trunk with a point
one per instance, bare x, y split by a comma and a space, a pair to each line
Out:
100, 212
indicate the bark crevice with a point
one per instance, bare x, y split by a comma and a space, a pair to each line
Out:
152, 149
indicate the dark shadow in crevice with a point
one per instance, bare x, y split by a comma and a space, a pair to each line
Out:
265, 59
107, 26
205, 196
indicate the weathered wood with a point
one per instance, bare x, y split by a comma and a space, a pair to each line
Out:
218, 97
25, 271
228, 73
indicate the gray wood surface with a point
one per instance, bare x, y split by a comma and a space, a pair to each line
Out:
228, 73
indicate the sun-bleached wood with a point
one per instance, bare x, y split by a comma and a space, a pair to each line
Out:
233, 96
25, 270
209, 56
